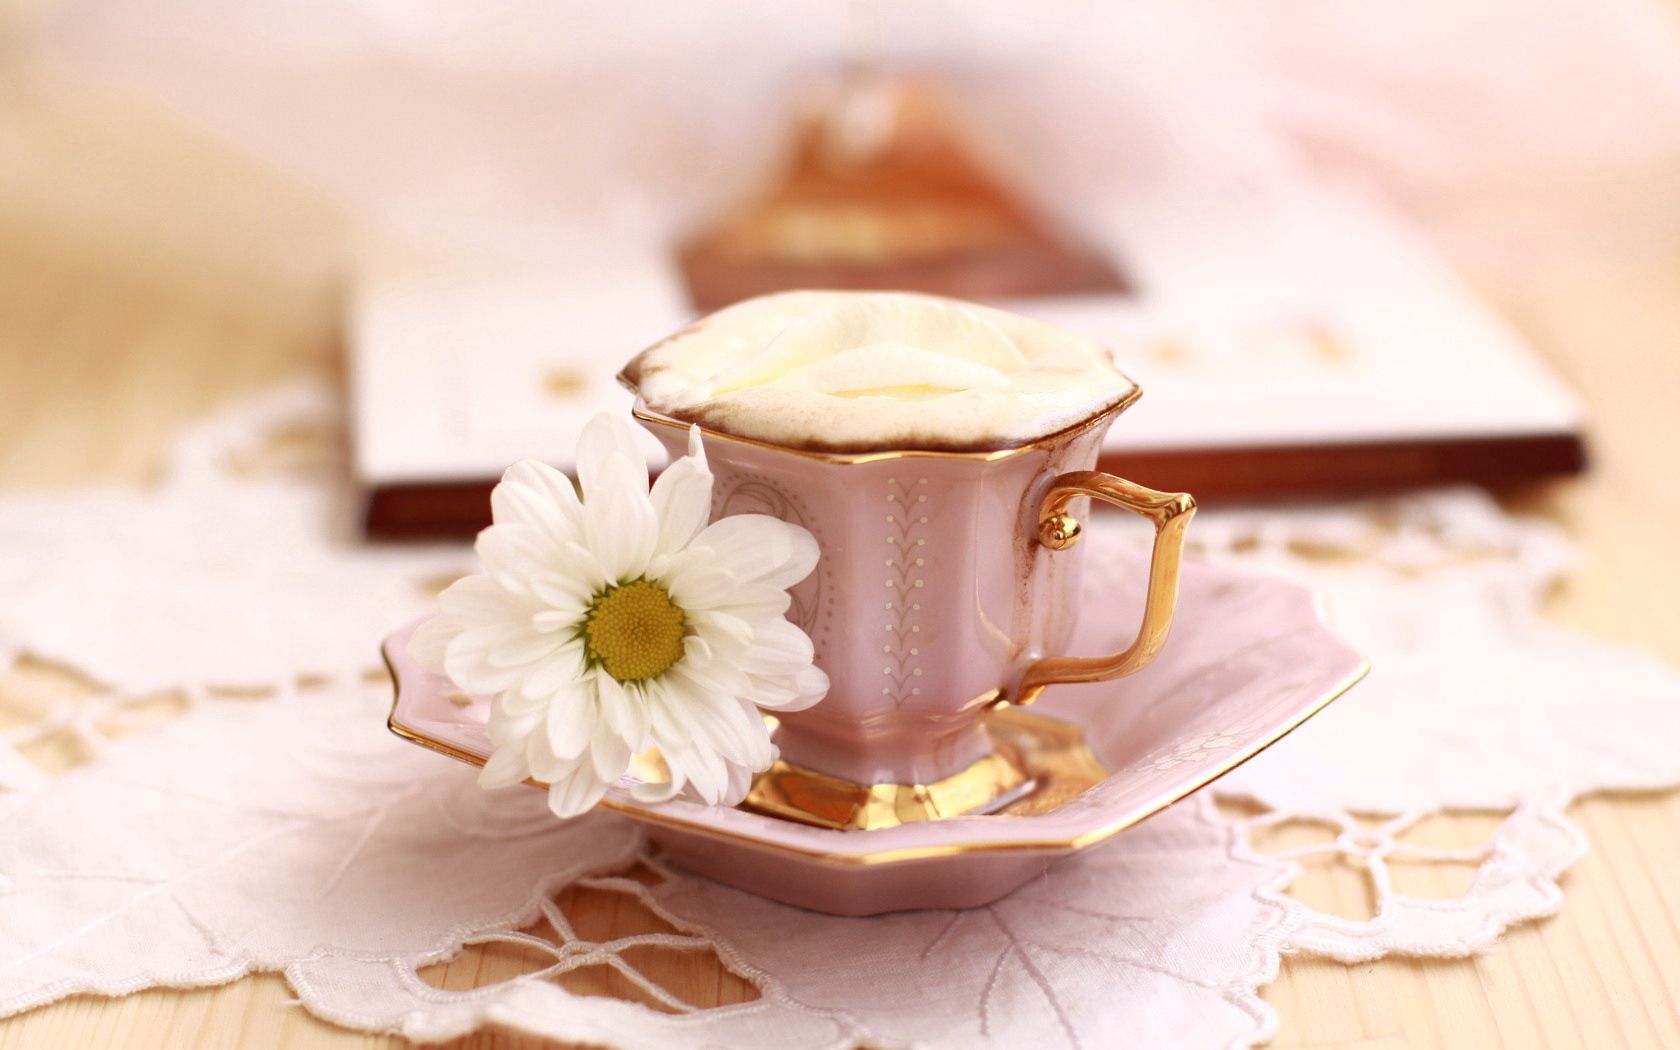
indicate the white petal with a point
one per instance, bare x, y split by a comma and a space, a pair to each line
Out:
467, 662
756, 603
697, 652
716, 624
772, 692
518, 702
778, 647
763, 752
535, 494
523, 648
618, 521
756, 548
567, 622
665, 723
719, 678
623, 708
735, 731
736, 788
803, 554
570, 722
682, 497
658, 791
689, 768
791, 692
511, 728
477, 600
486, 619
546, 766
546, 679
505, 768
565, 598
695, 583
813, 686
604, 437
707, 773
429, 642
513, 554
609, 752
576, 791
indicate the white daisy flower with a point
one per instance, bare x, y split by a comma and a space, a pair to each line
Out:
604, 624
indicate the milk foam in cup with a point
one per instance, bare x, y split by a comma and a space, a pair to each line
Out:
868, 371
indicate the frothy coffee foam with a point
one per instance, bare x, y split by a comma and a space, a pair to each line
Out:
867, 371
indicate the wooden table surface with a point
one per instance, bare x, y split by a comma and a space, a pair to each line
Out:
146, 275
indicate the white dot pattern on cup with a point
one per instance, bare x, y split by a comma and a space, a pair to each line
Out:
903, 541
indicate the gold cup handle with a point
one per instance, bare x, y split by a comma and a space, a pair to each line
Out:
1057, 529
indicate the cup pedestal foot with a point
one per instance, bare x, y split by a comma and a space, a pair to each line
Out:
1029, 753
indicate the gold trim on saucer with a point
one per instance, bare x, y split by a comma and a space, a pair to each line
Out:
1044, 799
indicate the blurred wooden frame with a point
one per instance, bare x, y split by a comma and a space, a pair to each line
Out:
879, 192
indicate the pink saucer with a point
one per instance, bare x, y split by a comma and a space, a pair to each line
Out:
1249, 660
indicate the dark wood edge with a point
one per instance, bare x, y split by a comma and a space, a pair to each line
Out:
456, 509
1283, 472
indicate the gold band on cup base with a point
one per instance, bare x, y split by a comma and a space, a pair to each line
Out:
1036, 764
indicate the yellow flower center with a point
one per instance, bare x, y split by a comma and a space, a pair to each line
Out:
635, 630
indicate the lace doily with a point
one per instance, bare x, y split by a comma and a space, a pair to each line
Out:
275, 825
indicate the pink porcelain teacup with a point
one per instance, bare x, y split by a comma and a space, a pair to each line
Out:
948, 583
